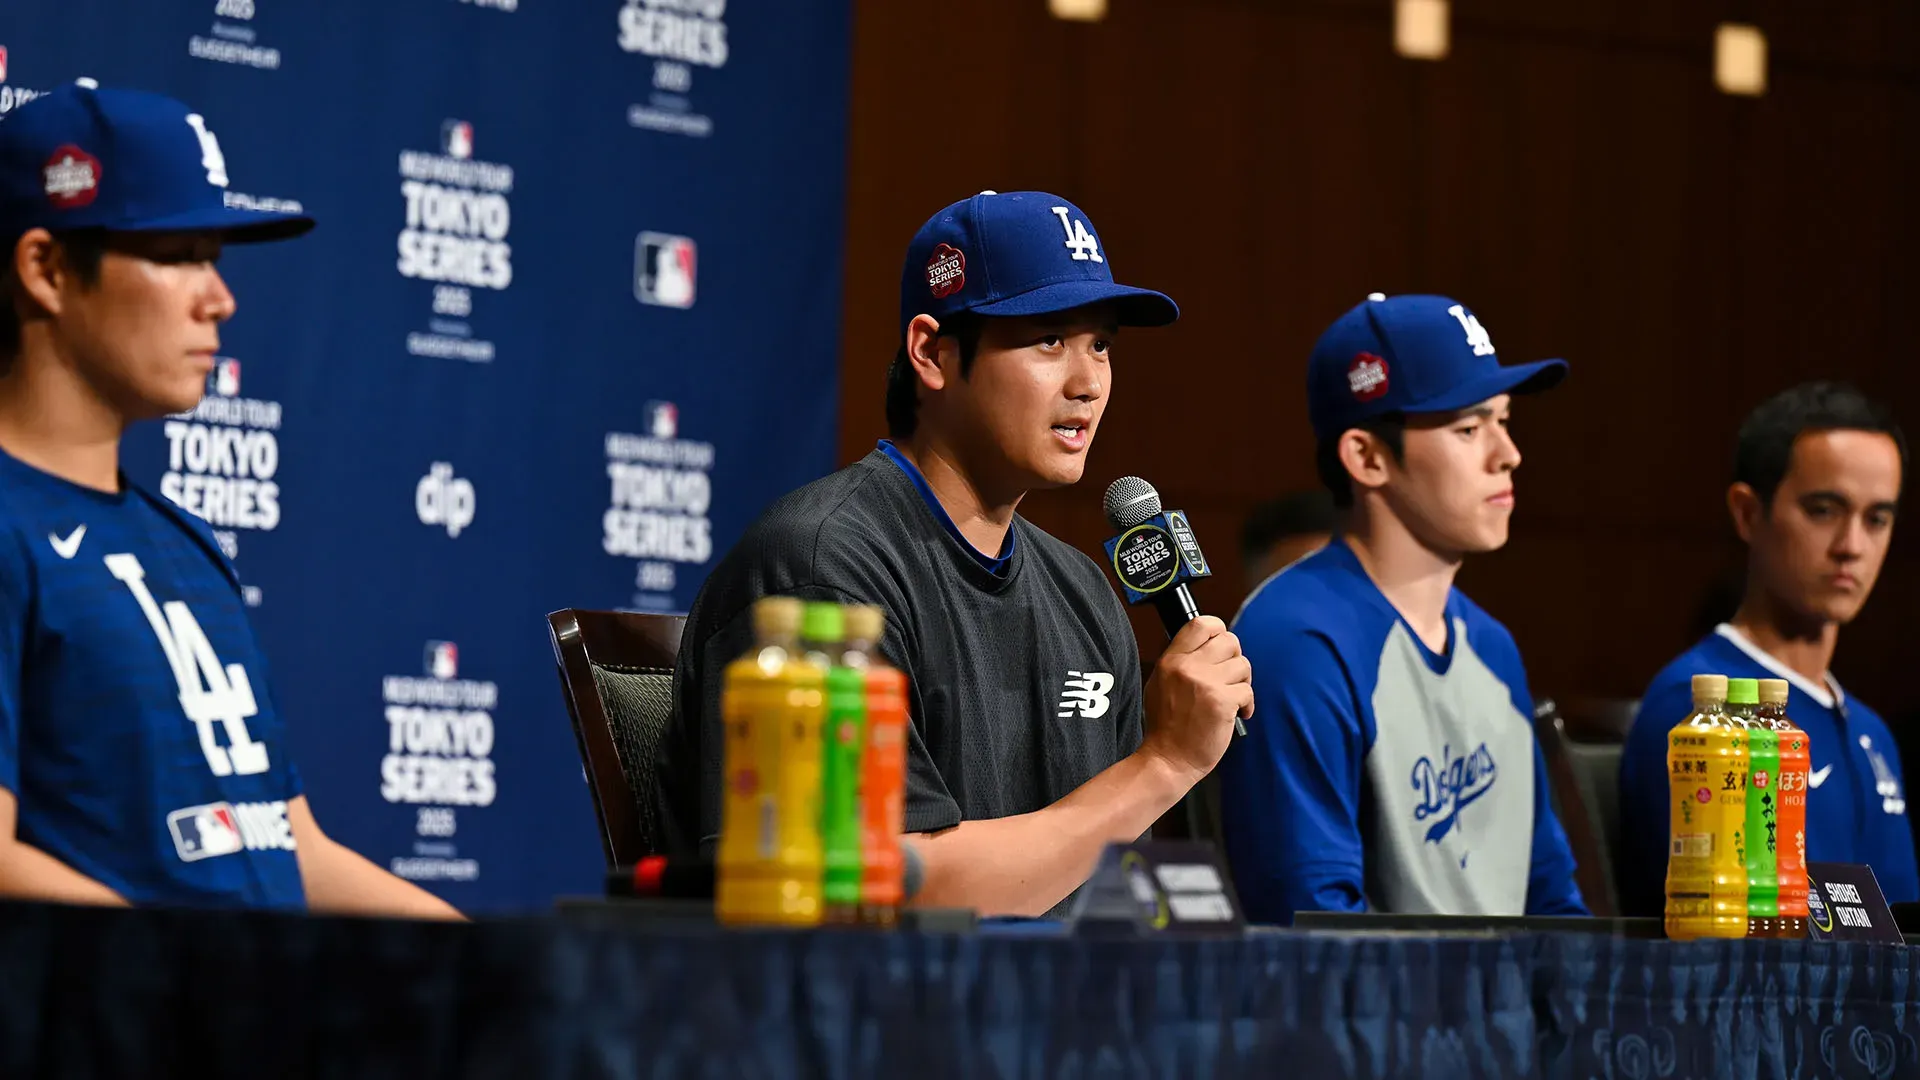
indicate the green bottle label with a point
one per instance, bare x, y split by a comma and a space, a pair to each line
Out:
845, 740
1763, 817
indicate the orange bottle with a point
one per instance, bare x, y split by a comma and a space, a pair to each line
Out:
883, 772
1796, 763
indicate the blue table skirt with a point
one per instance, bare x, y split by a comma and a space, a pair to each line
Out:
203, 994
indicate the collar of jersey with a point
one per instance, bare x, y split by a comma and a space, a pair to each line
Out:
992, 565
1821, 696
105, 498
1437, 662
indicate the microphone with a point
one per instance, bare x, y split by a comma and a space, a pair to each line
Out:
1155, 555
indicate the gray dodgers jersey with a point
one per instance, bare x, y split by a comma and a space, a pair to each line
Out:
1379, 774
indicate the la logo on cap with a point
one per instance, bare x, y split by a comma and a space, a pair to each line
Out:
946, 271
1367, 376
73, 177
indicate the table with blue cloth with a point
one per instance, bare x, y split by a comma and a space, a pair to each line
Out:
121, 993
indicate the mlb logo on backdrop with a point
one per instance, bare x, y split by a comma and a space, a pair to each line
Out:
456, 138
3, 63
202, 832
224, 380
663, 419
664, 270
443, 659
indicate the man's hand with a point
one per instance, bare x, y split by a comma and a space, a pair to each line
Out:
1200, 685
341, 882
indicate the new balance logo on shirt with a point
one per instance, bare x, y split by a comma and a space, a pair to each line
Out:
1085, 694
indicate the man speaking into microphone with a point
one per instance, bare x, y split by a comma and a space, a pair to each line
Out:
1032, 742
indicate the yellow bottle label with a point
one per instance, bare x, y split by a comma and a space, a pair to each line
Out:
772, 709
1707, 765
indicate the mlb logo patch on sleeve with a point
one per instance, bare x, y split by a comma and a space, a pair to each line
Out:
202, 832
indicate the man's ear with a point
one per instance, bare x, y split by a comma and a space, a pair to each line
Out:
1366, 458
40, 267
1744, 504
924, 352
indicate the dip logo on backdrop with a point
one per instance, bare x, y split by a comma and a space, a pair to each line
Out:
661, 492
679, 36
664, 270
223, 458
454, 234
439, 759
234, 39
443, 499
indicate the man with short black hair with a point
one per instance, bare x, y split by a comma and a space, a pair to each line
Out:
143, 759
1818, 472
1026, 752
1393, 767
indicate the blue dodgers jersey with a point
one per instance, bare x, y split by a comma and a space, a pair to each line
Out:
1856, 798
136, 728
1376, 774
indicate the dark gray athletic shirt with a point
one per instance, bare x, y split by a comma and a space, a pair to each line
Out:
1023, 685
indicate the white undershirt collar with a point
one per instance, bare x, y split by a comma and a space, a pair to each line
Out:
1824, 696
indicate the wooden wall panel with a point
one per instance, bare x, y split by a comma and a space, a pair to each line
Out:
1569, 171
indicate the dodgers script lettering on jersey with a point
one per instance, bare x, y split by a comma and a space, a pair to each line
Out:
1446, 788
138, 733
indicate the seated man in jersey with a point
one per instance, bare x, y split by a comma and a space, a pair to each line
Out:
1393, 766
1027, 750
1817, 476
142, 759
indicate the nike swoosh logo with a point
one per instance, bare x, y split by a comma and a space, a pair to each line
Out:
1818, 776
69, 547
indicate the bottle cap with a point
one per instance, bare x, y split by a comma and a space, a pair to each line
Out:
1743, 692
865, 622
825, 623
776, 617
1709, 688
1773, 691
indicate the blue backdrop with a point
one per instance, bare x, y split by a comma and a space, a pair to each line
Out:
569, 321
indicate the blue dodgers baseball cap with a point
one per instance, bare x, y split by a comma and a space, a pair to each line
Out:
82, 156
1410, 354
1017, 253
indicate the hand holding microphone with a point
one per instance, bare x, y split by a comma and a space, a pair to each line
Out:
1202, 679
1200, 686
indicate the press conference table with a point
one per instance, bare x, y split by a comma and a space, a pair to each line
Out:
207, 994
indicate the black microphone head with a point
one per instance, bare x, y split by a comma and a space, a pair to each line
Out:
1130, 501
